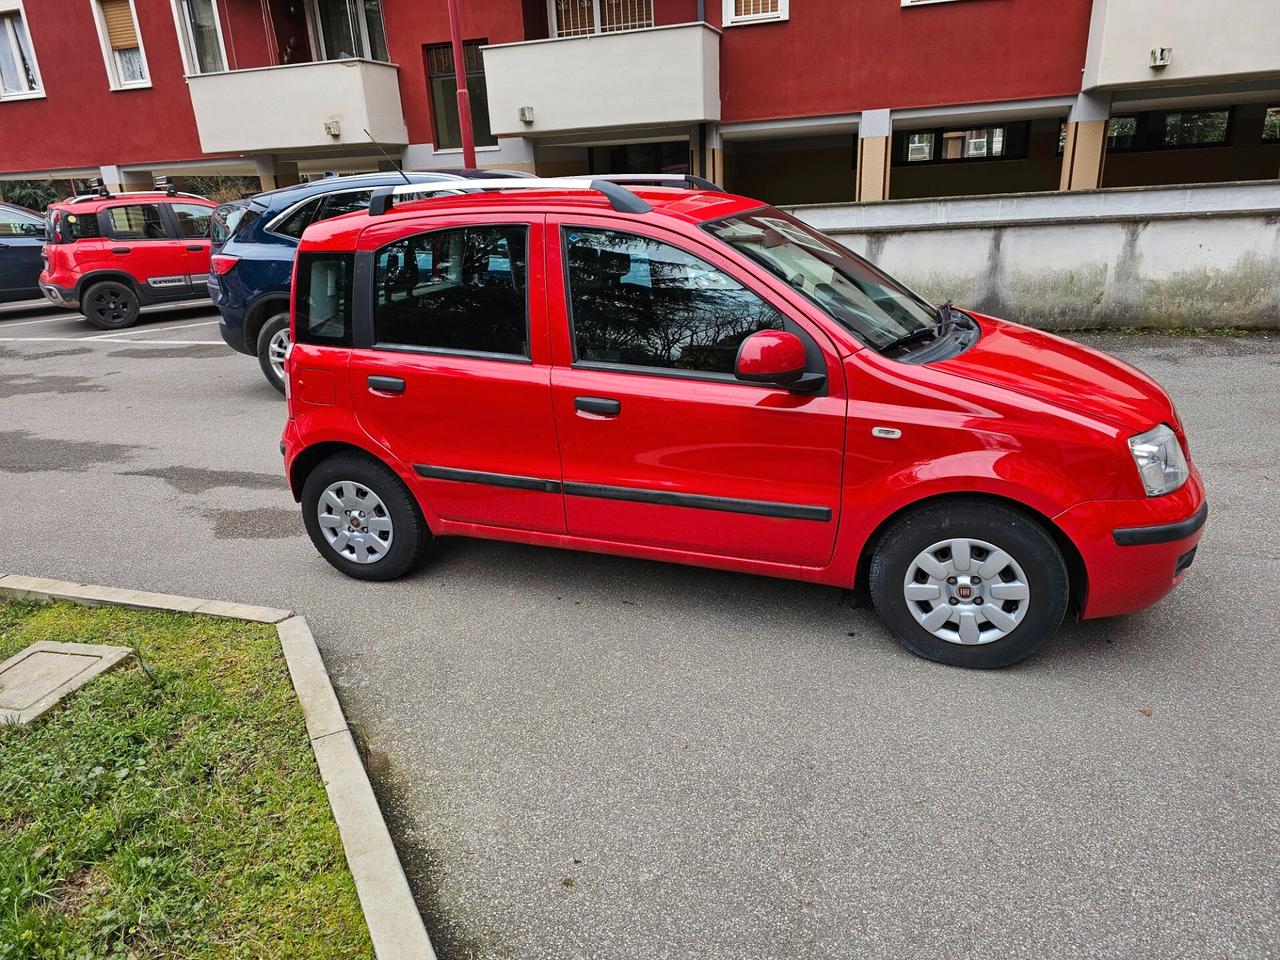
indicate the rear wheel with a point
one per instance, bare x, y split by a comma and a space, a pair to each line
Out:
970, 584
273, 344
363, 519
110, 305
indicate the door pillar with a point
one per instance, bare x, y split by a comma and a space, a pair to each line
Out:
875, 150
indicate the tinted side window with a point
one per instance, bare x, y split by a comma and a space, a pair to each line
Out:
300, 219
137, 222
460, 289
15, 224
322, 299
639, 301
336, 204
230, 218
193, 219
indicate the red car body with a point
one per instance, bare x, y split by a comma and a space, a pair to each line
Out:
1020, 417
156, 245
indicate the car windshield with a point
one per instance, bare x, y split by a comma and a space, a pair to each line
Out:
858, 295
229, 218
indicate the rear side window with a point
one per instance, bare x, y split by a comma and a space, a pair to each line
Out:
137, 222
641, 302
299, 219
193, 219
461, 289
336, 204
322, 299
74, 226
229, 219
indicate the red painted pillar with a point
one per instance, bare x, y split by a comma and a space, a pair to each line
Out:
464, 101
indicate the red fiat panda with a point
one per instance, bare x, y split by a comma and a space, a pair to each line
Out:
687, 375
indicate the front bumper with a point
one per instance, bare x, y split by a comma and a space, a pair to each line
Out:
1135, 551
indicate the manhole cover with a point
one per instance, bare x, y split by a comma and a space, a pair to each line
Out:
34, 679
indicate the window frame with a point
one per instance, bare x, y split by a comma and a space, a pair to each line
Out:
186, 40
15, 8
1267, 113
114, 80
553, 23
371, 298
899, 156
729, 19
815, 358
1150, 127
312, 11
104, 223
432, 77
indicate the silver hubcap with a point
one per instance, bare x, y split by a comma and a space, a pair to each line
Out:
355, 521
966, 591
277, 347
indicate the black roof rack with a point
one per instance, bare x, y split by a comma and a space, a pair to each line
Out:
611, 186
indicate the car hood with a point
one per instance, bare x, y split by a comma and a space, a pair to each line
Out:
1061, 372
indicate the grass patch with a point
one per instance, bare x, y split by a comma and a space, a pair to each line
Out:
171, 812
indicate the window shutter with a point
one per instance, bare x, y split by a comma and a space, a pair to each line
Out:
118, 17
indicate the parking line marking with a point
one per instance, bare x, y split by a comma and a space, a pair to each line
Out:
126, 333
103, 342
23, 323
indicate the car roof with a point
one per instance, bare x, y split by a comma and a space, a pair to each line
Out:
283, 197
88, 204
691, 207
18, 208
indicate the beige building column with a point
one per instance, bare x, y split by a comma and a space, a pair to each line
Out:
1085, 147
875, 151
124, 181
274, 172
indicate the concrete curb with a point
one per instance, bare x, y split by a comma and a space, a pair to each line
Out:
395, 926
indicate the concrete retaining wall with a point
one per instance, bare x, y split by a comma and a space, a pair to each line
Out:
1198, 256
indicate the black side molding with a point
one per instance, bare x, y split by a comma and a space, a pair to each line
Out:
1165, 533
488, 479
759, 508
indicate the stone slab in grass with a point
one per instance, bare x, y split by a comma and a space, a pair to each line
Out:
37, 677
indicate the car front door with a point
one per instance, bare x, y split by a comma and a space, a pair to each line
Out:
451, 367
140, 242
660, 444
21, 241
191, 221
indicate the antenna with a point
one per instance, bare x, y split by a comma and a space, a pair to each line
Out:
395, 166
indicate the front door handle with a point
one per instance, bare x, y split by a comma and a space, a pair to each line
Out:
122, 249
604, 406
386, 384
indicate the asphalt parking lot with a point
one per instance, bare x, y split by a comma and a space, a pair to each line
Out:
585, 756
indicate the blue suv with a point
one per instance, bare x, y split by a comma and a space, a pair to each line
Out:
254, 242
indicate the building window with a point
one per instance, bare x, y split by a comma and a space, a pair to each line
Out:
577, 18
444, 96
754, 11
977, 143
1168, 130
19, 75
1271, 126
121, 44
201, 34
347, 29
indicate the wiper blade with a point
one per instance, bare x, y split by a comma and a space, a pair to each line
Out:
948, 319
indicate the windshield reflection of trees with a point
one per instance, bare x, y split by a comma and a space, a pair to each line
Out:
641, 301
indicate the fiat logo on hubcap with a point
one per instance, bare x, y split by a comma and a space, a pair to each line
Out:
964, 591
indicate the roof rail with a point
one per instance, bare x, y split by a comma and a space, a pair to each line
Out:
129, 193
620, 198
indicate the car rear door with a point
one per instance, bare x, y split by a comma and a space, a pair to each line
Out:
451, 366
660, 444
21, 240
141, 242
191, 223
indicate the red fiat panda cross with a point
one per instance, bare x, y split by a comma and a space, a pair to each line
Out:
687, 375
108, 255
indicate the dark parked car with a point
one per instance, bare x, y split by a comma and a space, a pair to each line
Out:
21, 240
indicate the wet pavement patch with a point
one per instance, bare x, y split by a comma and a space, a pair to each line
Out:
201, 352
24, 452
8, 353
199, 480
21, 385
264, 523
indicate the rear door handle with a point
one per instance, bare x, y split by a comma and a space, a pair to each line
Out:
604, 406
387, 384
122, 249
195, 246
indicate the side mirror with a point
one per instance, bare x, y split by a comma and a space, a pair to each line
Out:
776, 358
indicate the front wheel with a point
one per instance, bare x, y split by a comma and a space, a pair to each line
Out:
363, 519
110, 305
273, 344
970, 584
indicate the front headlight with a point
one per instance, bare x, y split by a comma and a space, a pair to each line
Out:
1160, 461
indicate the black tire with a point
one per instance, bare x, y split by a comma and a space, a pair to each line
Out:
110, 305
410, 536
274, 325
1018, 535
